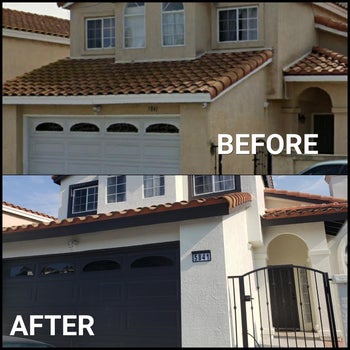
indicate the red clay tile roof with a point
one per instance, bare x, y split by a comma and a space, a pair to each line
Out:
232, 200
331, 23
320, 62
7, 204
211, 73
306, 210
274, 192
34, 23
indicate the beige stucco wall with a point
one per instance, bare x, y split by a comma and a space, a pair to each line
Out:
194, 25
22, 55
9, 220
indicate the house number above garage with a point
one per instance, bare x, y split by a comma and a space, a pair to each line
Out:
201, 255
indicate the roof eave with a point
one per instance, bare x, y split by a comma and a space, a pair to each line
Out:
108, 99
300, 219
316, 78
196, 212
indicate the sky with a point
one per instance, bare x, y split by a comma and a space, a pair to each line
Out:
42, 8
40, 193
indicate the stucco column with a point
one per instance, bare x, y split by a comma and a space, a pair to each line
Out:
204, 296
340, 130
12, 130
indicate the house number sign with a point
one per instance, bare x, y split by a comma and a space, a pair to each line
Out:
201, 255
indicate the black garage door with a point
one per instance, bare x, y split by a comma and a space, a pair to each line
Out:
133, 294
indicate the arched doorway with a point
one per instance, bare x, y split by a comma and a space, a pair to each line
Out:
316, 117
289, 288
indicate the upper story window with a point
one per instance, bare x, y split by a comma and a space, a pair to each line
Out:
116, 189
238, 24
173, 23
83, 199
206, 184
153, 185
100, 33
134, 25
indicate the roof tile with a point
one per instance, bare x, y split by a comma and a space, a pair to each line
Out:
306, 210
331, 23
211, 73
302, 196
320, 61
10, 205
232, 200
34, 23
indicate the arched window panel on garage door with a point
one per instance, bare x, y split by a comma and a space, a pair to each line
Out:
163, 128
57, 269
84, 127
101, 265
21, 270
122, 127
49, 127
151, 261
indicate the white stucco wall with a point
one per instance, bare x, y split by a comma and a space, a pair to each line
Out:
338, 185
91, 241
255, 186
176, 189
204, 299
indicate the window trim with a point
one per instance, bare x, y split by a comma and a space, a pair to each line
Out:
102, 36
161, 26
191, 186
144, 28
74, 187
236, 41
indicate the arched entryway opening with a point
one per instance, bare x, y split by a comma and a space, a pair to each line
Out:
316, 117
290, 288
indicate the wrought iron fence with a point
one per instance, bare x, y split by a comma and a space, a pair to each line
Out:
282, 306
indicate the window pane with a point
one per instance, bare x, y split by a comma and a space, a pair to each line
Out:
173, 25
153, 185
94, 33
203, 184
59, 268
242, 28
21, 271
101, 265
224, 183
134, 21
116, 189
152, 261
85, 199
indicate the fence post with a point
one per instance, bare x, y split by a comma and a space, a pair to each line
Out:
244, 313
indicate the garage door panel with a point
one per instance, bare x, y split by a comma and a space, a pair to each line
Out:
51, 148
101, 151
130, 307
149, 321
19, 291
146, 290
102, 292
56, 167
56, 293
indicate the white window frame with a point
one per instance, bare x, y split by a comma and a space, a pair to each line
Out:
215, 180
157, 187
102, 33
162, 25
122, 179
87, 188
237, 9
144, 27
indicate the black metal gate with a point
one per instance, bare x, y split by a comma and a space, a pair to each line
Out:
262, 160
282, 306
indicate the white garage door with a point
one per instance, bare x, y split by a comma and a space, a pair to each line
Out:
81, 145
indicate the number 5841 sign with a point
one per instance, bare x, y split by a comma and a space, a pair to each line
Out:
201, 255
